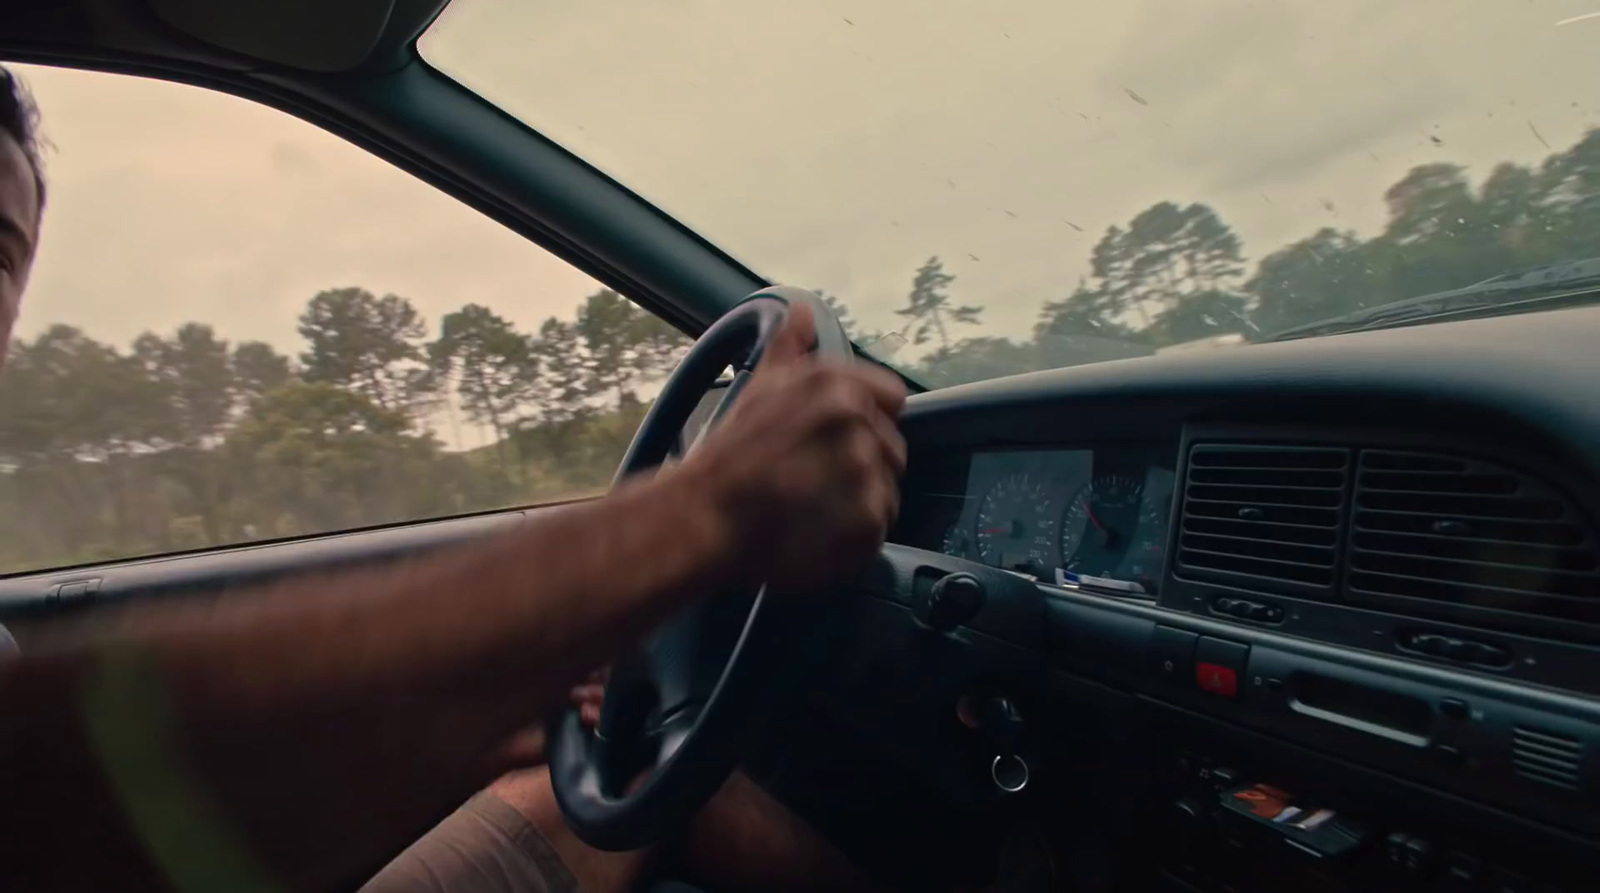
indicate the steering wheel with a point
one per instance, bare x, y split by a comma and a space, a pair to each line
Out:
679, 703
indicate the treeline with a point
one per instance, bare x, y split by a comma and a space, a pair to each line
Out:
1177, 273
187, 440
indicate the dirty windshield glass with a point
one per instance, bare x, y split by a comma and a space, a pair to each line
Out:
1023, 184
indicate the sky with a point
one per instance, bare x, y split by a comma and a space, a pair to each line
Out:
833, 144
840, 143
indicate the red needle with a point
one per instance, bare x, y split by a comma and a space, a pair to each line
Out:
1001, 529
1096, 521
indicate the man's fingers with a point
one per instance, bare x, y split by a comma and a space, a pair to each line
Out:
886, 388
794, 339
890, 440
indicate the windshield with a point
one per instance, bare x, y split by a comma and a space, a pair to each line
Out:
1022, 184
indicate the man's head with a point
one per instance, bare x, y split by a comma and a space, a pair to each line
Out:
21, 197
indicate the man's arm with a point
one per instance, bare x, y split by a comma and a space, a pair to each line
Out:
320, 724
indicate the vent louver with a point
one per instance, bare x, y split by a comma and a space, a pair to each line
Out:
1263, 518
1546, 757
1470, 533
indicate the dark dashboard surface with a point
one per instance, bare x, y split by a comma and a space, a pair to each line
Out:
1379, 548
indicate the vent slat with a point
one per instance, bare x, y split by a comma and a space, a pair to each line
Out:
1263, 517
1296, 515
1469, 532
1272, 550
1557, 779
1537, 532
1548, 739
1561, 760
1546, 757
1554, 558
1515, 508
1260, 530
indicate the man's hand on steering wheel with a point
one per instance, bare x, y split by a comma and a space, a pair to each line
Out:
806, 464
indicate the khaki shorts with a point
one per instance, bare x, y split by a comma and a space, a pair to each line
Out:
486, 846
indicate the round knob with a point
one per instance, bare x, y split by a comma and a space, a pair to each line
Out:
1009, 773
955, 599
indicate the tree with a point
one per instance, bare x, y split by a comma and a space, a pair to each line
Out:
258, 370
1168, 251
493, 366
929, 306
193, 369
1086, 311
316, 457
1317, 278
1204, 314
76, 418
370, 345
624, 345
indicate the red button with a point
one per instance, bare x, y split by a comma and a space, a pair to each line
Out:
1217, 679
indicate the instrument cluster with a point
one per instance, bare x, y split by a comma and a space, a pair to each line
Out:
1095, 517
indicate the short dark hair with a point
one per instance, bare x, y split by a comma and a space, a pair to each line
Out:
19, 119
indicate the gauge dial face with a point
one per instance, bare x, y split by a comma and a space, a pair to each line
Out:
1016, 525
957, 542
1110, 530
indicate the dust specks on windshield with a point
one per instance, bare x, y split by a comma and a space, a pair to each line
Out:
1135, 96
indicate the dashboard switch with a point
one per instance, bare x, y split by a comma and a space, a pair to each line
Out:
1172, 651
1217, 679
1218, 664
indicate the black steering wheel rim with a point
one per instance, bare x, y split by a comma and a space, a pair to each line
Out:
678, 694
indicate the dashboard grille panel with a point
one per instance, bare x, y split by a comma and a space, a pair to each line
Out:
1546, 757
1468, 532
1263, 518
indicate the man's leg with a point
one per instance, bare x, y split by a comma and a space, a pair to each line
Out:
512, 839
746, 840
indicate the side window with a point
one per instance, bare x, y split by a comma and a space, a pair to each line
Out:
240, 327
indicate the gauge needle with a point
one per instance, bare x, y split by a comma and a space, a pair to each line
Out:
1095, 521
1001, 529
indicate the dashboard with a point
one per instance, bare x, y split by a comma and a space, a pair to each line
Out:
1365, 566
1094, 515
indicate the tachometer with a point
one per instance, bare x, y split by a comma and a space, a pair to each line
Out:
1110, 530
956, 542
1016, 525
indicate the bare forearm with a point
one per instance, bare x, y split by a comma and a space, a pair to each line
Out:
329, 719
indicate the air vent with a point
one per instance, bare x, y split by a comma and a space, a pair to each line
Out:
1469, 533
1546, 757
1263, 518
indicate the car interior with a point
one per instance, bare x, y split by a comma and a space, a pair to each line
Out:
1321, 614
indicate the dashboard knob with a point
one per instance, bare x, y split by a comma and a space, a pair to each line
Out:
955, 599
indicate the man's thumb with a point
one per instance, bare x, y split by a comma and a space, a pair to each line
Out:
794, 339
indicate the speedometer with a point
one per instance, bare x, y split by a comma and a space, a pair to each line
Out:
1110, 530
1016, 526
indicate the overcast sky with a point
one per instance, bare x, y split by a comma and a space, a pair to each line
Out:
829, 144
839, 143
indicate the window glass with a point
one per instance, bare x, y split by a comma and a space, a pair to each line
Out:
240, 327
